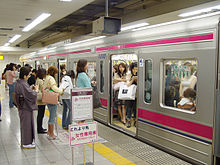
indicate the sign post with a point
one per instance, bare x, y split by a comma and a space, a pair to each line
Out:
82, 133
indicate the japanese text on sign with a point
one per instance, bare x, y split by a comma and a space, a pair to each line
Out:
83, 133
82, 105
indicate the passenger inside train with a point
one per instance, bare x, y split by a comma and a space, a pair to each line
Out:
124, 79
180, 84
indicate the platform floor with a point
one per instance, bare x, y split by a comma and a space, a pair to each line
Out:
113, 147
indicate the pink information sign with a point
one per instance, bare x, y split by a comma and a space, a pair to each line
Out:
83, 133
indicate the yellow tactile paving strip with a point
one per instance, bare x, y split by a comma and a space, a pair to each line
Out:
106, 152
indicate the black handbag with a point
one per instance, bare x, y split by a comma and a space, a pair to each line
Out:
96, 99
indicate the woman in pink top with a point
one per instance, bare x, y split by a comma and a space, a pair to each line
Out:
11, 74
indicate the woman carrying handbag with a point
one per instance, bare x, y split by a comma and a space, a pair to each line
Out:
50, 83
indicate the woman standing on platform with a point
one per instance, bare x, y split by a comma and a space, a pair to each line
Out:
26, 102
50, 83
41, 74
66, 84
11, 74
82, 78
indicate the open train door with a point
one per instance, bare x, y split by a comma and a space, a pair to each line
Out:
122, 111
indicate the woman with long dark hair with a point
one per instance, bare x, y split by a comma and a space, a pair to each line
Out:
131, 104
120, 76
82, 78
66, 84
41, 74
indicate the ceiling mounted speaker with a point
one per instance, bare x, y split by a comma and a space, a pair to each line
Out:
106, 26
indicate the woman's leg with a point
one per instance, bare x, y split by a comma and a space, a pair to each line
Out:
53, 110
128, 113
11, 90
119, 111
69, 112
40, 116
135, 111
64, 124
123, 114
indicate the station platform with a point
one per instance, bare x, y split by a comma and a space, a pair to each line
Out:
113, 147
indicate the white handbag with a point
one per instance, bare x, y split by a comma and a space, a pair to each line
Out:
127, 93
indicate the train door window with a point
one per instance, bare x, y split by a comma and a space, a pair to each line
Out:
180, 84
123, 109
92, 70
148, 81
101, 76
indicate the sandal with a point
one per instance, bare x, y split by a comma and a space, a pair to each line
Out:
51, 138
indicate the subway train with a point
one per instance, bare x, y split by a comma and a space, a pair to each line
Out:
171, 58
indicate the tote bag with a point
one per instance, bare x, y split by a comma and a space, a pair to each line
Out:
127, 93
49, 96
117, 85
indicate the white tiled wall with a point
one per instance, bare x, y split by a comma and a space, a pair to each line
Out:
8, 59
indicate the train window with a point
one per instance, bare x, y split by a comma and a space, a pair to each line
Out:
148, 81
101, 76
180, 83
92, 70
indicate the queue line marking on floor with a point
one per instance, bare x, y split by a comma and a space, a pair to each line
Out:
106, 152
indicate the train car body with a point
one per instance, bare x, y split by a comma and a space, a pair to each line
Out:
187, 134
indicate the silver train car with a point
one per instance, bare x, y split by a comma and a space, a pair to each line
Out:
170, 58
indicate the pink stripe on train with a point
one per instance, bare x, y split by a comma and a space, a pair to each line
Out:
104, 102
68, 53
159, 42
183, 125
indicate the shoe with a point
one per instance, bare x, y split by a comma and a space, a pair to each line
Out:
51, 138
65, 128
128, 124
135, 123
29, 146
42, 132
44, 129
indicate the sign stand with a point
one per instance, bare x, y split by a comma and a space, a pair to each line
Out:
82, 132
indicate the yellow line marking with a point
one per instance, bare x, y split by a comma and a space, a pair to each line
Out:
108, 153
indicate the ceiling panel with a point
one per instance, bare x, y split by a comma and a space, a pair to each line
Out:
14, 12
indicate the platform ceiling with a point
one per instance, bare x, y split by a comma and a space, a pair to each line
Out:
73, 19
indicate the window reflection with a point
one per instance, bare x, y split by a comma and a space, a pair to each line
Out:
180, 84
148, 81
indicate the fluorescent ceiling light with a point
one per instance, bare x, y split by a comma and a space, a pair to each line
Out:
31, 54
177, 21
65, 0
13, 39
209, 9
134, 26
47, 49
7, 44
35, 22
91, 39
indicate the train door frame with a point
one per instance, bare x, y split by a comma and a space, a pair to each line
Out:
110, 106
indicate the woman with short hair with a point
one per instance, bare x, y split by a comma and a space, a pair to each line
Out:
10, 75
26, 102
50, 83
